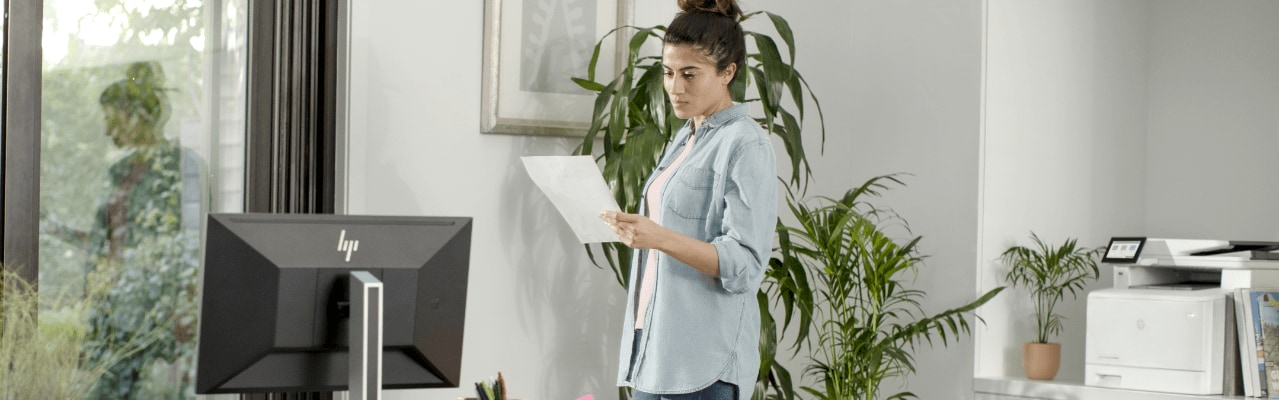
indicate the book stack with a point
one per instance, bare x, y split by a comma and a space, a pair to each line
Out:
1257, 320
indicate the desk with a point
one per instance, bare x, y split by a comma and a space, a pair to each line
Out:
990, 388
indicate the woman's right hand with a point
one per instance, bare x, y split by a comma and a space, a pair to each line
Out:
634, 230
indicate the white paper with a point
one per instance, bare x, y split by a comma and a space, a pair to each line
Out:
577, 189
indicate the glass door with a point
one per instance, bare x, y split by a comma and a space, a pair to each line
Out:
142, 134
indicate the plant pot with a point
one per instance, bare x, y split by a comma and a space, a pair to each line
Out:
1041, 360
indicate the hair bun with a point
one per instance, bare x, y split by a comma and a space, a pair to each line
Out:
727, 8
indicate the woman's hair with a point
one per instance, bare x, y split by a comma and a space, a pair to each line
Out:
710, 26
141, 93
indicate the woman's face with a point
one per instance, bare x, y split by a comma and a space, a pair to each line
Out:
127, 129
695, 87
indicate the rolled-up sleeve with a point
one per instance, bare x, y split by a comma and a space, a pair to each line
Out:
750, 217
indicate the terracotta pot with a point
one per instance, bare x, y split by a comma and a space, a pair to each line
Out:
1041, 360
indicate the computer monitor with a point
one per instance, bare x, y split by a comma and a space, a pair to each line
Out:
273, 314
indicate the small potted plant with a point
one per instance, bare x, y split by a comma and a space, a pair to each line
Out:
1049, 272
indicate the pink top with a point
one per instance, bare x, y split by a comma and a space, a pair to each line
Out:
654, 199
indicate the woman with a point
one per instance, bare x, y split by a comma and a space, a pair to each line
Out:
142, 240
705, 228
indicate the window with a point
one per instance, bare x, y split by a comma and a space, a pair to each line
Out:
133, 122
143, 131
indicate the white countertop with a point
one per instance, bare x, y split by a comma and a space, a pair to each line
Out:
1054, 390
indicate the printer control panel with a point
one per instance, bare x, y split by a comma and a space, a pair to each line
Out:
1124, 250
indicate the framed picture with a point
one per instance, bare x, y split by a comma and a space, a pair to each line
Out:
531, 50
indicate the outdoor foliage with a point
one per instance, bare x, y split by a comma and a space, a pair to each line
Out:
153, 296
38, 358
1049, 272
75, 150
866, 320
43, 358
145, 290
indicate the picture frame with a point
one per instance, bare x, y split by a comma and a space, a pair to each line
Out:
531, 50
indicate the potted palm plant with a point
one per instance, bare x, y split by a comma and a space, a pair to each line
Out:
1048, 272
866, 318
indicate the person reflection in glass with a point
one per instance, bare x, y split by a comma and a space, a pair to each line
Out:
146, 185
142, 247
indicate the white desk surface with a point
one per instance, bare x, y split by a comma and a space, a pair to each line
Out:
1006, 388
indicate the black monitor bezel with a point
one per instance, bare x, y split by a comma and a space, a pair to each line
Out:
454, 247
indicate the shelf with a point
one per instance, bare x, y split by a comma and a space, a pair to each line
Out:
989, 388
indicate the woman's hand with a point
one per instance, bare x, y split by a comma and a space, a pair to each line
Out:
634, 230
640, 232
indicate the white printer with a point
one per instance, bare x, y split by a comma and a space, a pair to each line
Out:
1168, 321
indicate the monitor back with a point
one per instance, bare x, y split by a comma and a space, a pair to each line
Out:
274, 287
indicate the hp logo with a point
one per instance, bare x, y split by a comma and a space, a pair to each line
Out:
348, 246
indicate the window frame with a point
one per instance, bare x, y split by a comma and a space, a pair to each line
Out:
293, 89
291, 121
20, 128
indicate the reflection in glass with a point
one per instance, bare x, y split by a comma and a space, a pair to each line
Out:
142, 134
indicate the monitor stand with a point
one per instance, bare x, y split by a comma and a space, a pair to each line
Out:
365, 354
364, 350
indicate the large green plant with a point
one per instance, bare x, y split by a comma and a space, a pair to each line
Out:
633, 120
1049, 272
866, 321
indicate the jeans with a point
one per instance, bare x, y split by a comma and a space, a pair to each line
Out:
719, 390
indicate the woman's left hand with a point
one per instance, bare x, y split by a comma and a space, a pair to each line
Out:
634, 230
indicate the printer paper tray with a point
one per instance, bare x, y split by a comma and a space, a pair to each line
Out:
1151, 379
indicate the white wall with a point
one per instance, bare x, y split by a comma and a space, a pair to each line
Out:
1062, 154
899, 83
1213, 120
1111, 118
537, 311
915, 68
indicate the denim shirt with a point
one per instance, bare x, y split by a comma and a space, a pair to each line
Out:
701, 329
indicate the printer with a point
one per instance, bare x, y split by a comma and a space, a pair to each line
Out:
1168, 325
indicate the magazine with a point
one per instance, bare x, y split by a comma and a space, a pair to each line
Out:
1266, 311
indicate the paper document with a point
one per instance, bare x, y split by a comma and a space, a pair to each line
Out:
576, 187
